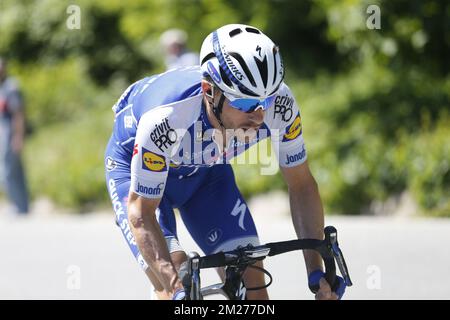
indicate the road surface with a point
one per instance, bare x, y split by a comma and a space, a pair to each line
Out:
85, 257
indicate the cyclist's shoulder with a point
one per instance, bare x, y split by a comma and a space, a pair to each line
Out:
283, 110
174, 100
171, 87
178, 114
166, 125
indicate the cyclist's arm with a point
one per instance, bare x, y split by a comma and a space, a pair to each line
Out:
289, 146
306, 209
307, 217
149, 171
150, 240
304, 198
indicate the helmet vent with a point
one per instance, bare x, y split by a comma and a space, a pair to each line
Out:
235, 32
262, 67
224, 77
275, 51
207, 57
247, 92
275, 90
252, 30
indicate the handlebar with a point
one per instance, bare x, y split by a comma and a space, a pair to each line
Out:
244, 256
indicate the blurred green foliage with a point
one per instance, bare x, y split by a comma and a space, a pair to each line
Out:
375, 103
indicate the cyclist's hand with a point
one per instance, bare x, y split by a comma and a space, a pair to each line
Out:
322, 289
325, 292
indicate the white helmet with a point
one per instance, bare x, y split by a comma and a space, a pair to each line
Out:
242, 61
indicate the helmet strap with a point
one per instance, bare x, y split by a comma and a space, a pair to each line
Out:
217, 110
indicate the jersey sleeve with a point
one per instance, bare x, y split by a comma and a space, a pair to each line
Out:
155, 138
287, 131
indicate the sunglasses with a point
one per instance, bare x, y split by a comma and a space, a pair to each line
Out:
250, 104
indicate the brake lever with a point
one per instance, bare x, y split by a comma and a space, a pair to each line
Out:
339, 257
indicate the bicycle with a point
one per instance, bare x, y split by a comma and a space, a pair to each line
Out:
236, 262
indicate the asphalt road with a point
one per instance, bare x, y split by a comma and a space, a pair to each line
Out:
85, 257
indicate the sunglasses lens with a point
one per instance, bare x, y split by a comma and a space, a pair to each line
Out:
249, 105
269, 101
244, 104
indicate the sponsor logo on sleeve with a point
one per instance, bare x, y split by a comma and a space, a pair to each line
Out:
294, 129
163, 136
152, 191
296, 157
152, 161
135, 150
283, 107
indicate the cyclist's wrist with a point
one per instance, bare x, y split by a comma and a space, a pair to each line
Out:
314, 280
313, 261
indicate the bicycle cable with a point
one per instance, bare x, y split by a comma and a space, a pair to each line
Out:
266, 273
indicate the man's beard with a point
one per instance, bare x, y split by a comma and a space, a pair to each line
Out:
246, 135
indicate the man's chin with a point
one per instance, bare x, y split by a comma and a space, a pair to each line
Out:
246, 136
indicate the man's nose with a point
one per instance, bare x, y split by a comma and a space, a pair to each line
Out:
257, 117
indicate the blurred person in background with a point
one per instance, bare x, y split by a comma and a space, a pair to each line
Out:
177, 55
12, 131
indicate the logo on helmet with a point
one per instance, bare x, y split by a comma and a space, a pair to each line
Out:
258, 49
232, 67
216, 45
213, 72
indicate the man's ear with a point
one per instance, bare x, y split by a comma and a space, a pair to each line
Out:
207, 89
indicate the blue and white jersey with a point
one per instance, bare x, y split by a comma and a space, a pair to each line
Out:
161, 128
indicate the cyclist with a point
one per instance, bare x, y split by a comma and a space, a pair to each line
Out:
173, 138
